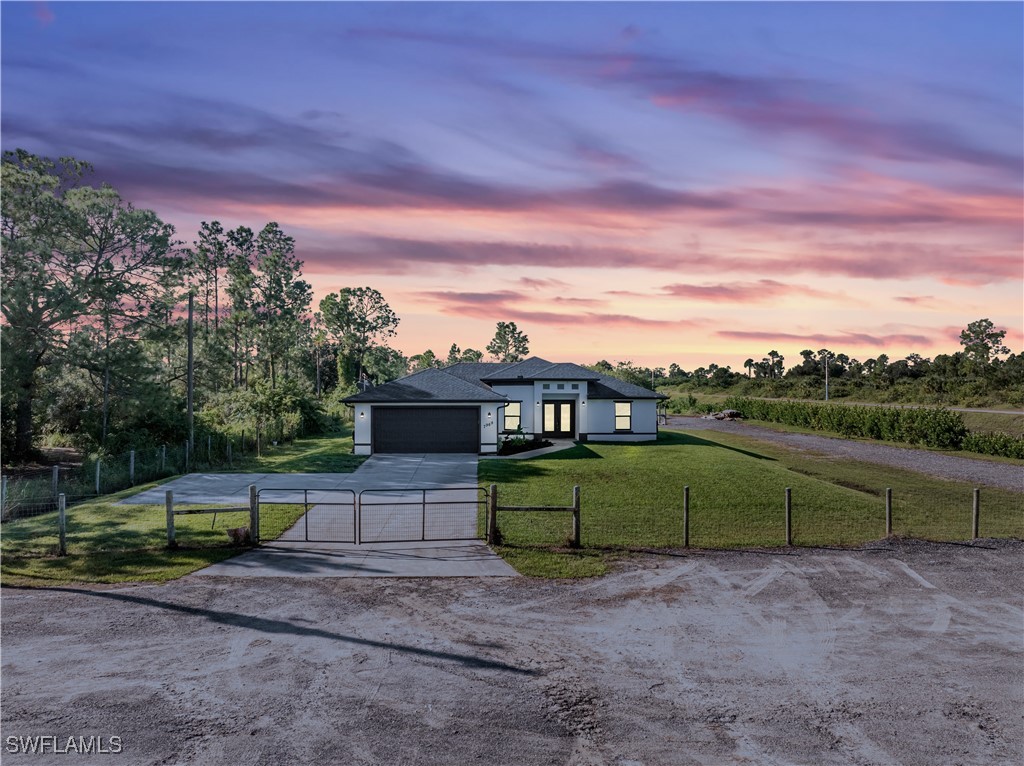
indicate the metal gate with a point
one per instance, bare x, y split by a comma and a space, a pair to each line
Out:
329, 516
408, 515
372, 516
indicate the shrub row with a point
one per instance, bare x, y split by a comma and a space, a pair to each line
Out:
933, 427
994, 444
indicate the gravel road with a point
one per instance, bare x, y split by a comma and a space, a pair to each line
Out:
902, 654
981, 472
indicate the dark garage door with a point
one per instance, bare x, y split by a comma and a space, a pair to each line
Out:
426, 429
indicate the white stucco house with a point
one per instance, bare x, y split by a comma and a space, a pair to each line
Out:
469, 407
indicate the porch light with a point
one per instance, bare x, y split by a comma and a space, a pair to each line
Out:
362, 415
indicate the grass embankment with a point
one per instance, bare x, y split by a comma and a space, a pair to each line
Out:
631, 497
111, 543
330, 453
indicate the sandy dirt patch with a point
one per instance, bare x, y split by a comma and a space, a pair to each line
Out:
907, 654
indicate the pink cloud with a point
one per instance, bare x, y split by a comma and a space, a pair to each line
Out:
743, 292
838, 339
506, 305
43, 13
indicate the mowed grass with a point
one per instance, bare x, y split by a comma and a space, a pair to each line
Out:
329, 453
632, 498
990, 422
111, 543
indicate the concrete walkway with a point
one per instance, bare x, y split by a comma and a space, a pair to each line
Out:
292, 556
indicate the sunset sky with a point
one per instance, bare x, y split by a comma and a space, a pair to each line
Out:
654, 182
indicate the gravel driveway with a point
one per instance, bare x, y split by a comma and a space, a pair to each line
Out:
905, 654
980, 472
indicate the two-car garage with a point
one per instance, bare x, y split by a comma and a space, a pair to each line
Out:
425, 429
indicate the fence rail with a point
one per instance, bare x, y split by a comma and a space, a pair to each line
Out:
790, 519
493, 508
786, 517
28, 494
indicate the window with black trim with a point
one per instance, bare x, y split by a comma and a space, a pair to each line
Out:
623, 416
513, 415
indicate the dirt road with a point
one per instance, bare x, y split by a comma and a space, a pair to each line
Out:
898, 655
983, 473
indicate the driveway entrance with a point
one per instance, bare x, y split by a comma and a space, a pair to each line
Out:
384, 478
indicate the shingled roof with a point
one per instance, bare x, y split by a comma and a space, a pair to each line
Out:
431, 385
469, 382
607, 387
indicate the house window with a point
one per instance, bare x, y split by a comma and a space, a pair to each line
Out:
546, 386
513, 415
623, 416
575, 386
561, 386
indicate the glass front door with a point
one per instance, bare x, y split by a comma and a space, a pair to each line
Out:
560, 419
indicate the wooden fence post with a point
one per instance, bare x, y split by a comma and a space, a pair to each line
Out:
492, 516
789, 516
131, 468
686, 516
888, 511
254, 515
169, 505
576, 516
54, 479
975, 514
98, 461
62, 524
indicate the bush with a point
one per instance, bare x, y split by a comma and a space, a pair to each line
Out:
932, 427
994, 444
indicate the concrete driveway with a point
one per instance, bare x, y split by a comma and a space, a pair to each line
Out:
378, 472
446, 477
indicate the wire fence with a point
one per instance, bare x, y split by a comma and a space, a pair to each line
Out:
28, 494
700, 519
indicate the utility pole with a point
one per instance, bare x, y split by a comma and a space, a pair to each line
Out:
826, 377
191, 384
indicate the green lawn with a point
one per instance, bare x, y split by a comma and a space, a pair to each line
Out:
111, 543
631, 497
331, 453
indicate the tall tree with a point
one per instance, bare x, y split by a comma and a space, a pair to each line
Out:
424, 361
241, 280
982, 342
509, 344
76, 258
360, 319
282, 299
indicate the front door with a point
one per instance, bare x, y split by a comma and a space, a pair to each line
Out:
560, 419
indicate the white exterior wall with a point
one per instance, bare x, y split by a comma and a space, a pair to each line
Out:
489, 428
602, 421
522, 394
363, 430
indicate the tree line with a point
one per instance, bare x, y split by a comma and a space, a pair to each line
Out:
108, 319
984, 371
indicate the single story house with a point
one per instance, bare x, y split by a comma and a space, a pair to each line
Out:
468, 407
